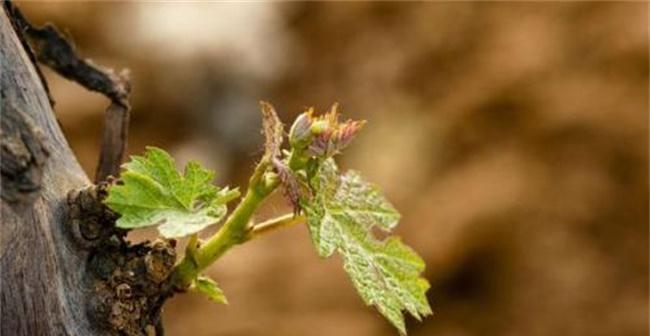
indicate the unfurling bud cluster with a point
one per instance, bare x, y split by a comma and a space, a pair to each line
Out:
323, 136
312, 139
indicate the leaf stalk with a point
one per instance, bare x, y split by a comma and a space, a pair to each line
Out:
274, 224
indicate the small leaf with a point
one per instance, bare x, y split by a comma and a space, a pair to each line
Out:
209, 288
154, 193
341, 215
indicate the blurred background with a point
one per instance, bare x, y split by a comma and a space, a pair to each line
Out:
513, 137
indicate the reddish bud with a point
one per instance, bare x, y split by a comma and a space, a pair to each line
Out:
300, 133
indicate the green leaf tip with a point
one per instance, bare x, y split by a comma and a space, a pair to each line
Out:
154, 193
209, 288
341, 215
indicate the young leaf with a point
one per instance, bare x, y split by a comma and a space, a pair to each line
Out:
154, 193
340, 216
210, 288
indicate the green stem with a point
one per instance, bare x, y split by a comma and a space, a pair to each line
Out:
233, 232
297, 159
274, 224
192, 245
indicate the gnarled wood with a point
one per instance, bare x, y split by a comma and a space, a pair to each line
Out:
24, 152
43, 290
65, 268
52, 48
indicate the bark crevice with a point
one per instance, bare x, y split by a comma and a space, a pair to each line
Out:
24, 153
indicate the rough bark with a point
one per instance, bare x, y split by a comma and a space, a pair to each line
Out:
64, 268
52, 48
40, 292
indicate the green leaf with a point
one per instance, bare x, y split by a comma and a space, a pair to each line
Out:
210, 288
154, 193
341, 215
